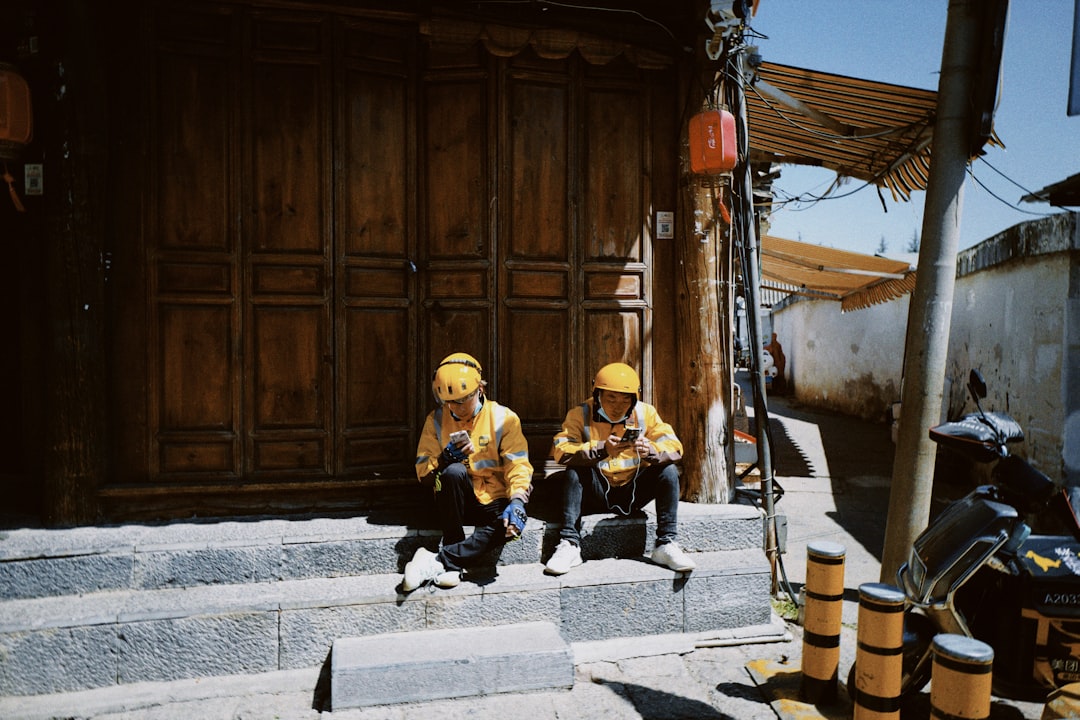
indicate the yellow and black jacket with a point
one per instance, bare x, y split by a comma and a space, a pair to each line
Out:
499, 467
581, 442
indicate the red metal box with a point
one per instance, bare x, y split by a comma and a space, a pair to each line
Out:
712, 142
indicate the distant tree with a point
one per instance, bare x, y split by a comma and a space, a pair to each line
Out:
882, 246
913, 244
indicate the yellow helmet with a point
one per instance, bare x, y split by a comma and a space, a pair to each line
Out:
618, 377
458, 375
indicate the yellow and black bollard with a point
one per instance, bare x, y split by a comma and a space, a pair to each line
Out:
879, 655
822, 623
961, 678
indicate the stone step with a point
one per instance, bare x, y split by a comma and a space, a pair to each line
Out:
306, 692
37, 563
72, 643
454, 663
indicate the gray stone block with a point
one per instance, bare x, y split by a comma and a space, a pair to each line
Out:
714, 528
58, 659
343, 557
437, 664
726, 600
50, 577
202, 646
644, 607
207, 566
462, 610
308, 634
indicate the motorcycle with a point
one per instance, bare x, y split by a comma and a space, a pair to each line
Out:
978, 570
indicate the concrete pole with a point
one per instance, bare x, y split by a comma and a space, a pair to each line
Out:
930, 311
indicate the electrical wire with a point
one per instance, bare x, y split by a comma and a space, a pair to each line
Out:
1029, 192
1002, 200
741, 230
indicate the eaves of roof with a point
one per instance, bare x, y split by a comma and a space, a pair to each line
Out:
1065, 193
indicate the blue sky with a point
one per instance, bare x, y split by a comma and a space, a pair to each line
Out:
900, 43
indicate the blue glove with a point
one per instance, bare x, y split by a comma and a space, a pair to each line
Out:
451, 454
515, 517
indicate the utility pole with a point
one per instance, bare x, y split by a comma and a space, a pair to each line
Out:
927, 342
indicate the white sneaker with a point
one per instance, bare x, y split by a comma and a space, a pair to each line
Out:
567, 555
448, 579
672, 556
424, 568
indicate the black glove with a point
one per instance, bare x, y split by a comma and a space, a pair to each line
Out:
451, 454
514, 516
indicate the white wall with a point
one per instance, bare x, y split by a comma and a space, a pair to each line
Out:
1014, 317
850, 362
1008, 322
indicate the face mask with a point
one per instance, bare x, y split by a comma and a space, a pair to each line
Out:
479, 404
603, 414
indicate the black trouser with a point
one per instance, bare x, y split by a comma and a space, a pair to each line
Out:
456, 505
586, 490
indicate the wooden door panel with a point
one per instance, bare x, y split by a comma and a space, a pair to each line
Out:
537, 269
614, 150
195, 360
457, 329
614, 336
193, 152
603, 284
196, 427
616, 278
538, 193
456, 281
290, 388
376, 348
535, 365
193, 392
456, 173
288, 173
375, 165
288, 344
377, 415
288, 327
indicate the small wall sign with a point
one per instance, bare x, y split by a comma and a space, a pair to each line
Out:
665, 225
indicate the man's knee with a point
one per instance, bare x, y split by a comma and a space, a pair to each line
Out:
566, 478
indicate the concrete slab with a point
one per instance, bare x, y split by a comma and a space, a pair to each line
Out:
436, 664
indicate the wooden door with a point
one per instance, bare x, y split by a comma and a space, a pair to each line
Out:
333, 208
288, 366
457, 253
376, 348
535, 234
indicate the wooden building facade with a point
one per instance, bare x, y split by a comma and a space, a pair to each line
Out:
263, 223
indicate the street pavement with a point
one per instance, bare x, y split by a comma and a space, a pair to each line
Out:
834, 472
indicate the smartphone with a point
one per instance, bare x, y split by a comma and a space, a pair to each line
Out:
630, 434
459, 437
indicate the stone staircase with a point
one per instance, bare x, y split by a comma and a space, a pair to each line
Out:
106, 606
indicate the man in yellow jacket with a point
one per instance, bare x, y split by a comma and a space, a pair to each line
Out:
618, 455
475, 458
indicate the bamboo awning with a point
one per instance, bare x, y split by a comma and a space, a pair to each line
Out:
856, 280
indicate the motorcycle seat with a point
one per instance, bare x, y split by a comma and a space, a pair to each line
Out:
979, 437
